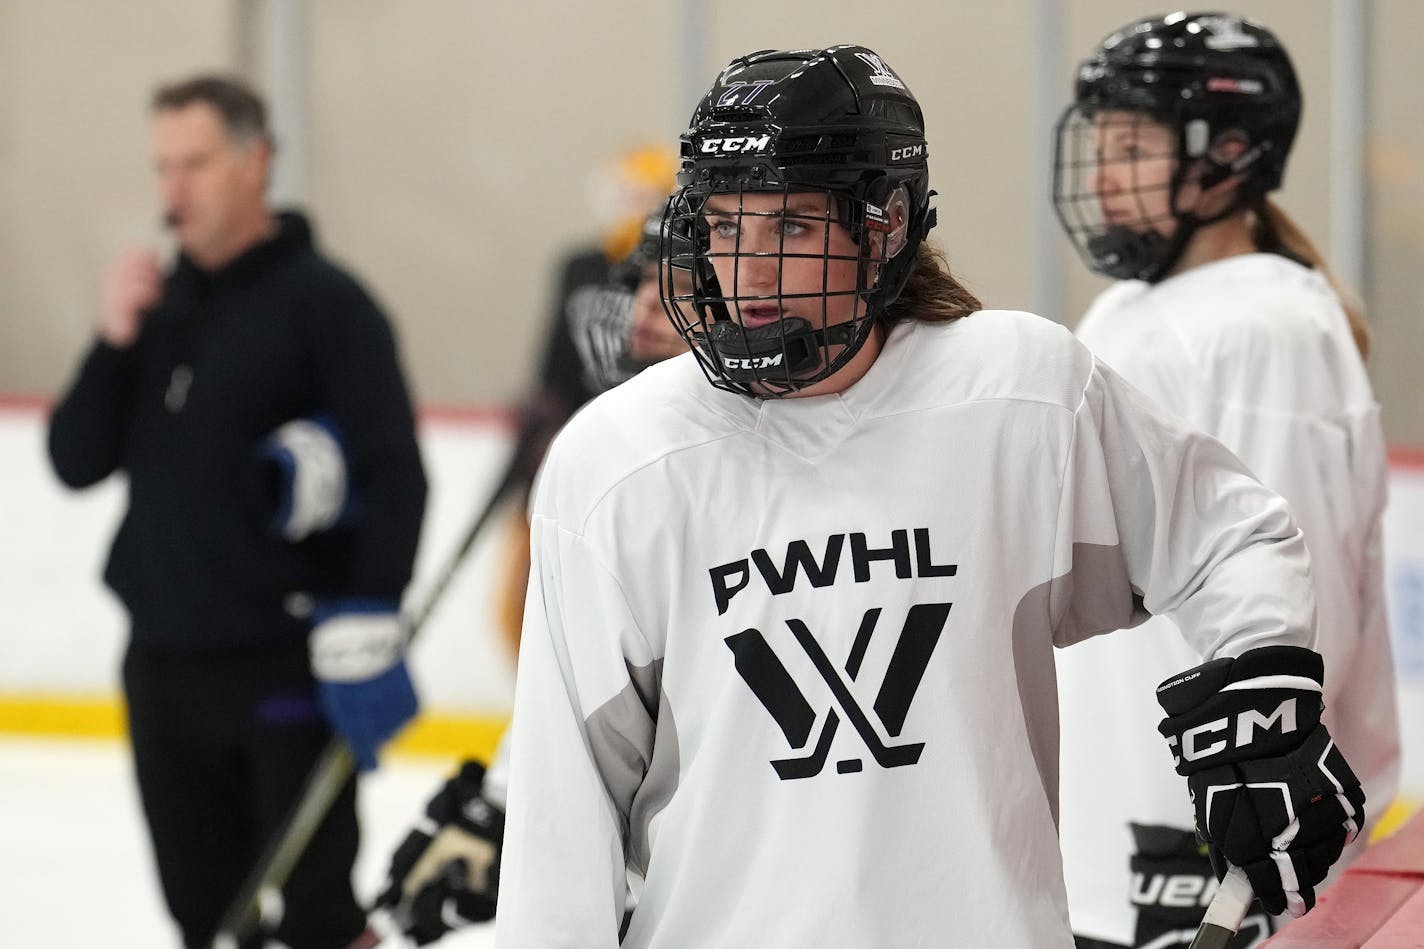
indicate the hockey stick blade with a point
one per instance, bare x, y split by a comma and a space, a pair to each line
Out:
808, 766
337, 764
1228, 908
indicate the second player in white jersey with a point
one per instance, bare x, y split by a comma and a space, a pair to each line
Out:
1228, 320
788, 656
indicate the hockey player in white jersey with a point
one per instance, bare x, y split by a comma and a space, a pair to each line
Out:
1225, 313
787, 666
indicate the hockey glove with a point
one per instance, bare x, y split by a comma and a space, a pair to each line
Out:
1273, 795
304, 478
358, 658
446, 871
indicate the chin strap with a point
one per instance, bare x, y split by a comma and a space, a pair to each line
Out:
1126, 254
779, 352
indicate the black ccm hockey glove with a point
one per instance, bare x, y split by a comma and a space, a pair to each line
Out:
446, 872
1273, 795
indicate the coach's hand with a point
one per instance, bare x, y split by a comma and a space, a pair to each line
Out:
131, 285
1273, 795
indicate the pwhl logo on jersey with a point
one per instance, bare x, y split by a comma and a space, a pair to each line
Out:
778, 692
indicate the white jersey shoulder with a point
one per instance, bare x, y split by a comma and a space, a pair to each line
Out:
992, 354
626, 429
1245, 325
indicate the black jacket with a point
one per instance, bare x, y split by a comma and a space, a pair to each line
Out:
225, 358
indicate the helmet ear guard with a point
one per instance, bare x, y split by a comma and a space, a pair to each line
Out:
893, 222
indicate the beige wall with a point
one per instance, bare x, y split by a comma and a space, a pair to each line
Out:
451, 149
74, 189
450, 144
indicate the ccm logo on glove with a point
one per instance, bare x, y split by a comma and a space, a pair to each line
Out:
1229, 709
1246, 725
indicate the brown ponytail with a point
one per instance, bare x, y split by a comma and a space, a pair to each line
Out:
932, 294
1274, 230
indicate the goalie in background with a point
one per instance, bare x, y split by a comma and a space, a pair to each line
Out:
446, 872
623, 191
1225, 314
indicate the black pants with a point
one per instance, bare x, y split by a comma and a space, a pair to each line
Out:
222, 744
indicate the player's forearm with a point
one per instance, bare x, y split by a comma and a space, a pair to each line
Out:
1243, 580
1203, 540
564, 878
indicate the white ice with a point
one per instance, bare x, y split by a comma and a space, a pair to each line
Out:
75, 866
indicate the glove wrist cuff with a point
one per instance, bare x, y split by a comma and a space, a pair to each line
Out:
354, 647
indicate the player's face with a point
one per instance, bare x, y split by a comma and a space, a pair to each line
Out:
209, 185
1137, 158
654, 337
782, 255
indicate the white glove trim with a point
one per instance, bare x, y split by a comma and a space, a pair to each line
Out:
1303, 683
353, 647
1290, 883
1352, 826
319, 482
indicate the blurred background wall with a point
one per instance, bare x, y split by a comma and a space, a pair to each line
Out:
446, 148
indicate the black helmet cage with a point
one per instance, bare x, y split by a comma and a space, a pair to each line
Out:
837, 122
1209, 78
601, 316
628, 272
600, 320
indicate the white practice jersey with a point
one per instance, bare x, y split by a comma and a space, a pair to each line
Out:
789, 662
1255, 350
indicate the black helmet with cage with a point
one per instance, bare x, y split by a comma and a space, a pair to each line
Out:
837, 121
1221, 84
601, 316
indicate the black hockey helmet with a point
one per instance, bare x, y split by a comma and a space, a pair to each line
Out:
1212, 79
837, 121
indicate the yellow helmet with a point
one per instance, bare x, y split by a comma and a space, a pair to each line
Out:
626, 189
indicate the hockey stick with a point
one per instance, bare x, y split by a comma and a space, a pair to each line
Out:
336, 765
1228, 908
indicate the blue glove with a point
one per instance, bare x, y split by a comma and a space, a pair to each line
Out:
305, 478
358, 658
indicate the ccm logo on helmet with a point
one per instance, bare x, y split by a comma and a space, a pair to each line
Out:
1207, 739
744, 143
907, 153
754, 362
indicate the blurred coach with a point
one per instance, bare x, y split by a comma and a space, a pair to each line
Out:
253, 395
